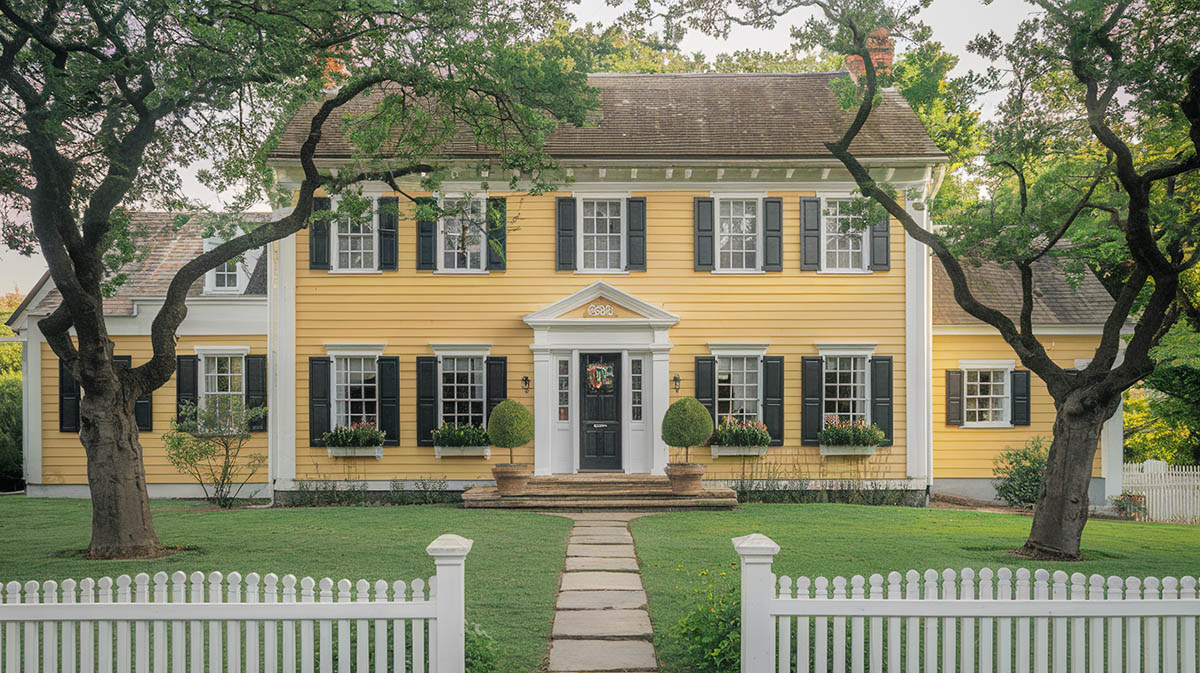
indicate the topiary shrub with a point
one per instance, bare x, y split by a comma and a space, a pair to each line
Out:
510, 426
1019, 473
686, 424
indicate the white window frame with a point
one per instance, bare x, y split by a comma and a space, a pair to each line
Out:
760, 226
334, 265
641, 406
738, 350
334, 351
245, 269
623, 198
481, 351
440, 235
865, 351
202, 355
825, 233
559, 379
1007, 366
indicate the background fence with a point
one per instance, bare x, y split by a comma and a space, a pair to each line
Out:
216, 623
1172, 492
987, 621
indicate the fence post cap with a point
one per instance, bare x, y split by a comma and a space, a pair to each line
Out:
449, 546
755, 544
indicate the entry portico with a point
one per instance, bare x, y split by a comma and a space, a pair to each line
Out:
601, 363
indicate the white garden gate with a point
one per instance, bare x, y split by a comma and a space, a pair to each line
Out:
974, 622
253, 624
1172, 492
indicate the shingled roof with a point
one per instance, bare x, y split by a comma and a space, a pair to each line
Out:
691, 116
167, 250
1055, 300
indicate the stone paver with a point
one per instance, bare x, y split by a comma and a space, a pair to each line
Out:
601, 539
600, 523
601, 600
599, 530
574, 549
600, 581
575, 563
602, 624
602, 655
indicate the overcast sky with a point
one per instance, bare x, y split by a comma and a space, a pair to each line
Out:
954, 23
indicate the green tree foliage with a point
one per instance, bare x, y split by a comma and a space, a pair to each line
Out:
11, 475
10, 353
510, 426
1020, 472
206, 443
1155, 433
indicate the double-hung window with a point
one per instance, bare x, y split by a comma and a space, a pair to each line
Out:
356, 240
233, 276
462, 235
602, 234
462, 390
222, 389
739, 234
355, 390
844, 239
738, 387
986, 397
845, 389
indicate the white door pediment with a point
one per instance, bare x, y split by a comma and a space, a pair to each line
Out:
601, 303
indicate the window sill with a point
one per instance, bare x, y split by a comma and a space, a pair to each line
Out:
375, 452
614, 272
225, 292
738, 272
462, 451
846, 272
354, 272
461, 272
992, 424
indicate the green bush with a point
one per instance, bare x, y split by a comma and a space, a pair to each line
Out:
1019, 473
357, 435
711, 633
480, 650
732, 432
206, 443
686, 424
11, 477
845, 433
460, 435
510, 426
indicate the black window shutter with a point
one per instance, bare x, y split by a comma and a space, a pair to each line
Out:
318, 236
1020, 397
497, 226
810, 234
68, 400
635, 212
954, 397
389, 399
143, 411
881, 395
811, 385
389, 233
773, 397
497, 383
881, 244
773, 234
426, 239
427, 399
187, 380
319, 403
564, 228
705, 240
706, 384
256, 389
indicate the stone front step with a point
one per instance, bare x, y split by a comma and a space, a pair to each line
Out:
487, 497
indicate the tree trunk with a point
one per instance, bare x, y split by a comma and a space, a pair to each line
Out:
1062, 505
121, 522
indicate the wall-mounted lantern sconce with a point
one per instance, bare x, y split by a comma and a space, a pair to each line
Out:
676, 382
525, 383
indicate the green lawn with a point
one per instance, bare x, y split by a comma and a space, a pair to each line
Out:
512, 571
676, 550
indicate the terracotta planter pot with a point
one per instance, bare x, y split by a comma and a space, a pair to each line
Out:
511, 477
685, 478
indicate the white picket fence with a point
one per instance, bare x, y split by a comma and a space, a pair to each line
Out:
974, 622
216, 623
1172, 491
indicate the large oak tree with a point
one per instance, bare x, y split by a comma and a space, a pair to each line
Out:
104, 101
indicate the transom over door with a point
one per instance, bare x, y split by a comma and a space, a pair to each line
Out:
600, 419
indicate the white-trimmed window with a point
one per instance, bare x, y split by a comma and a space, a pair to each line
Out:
986, 393
462, 235
842, 248
636, 383
356, 242
462, 393
233, 276
602, 234
564, 389
355, 390
738, 387
845, 388
739, 234
222, 380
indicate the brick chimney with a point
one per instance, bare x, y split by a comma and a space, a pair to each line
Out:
883, 52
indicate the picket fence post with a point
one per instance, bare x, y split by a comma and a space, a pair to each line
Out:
757, 552
449, 554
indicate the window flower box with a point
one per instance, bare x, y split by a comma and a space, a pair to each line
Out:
375, 452
361, 440
462, 451
847, 450
719, 450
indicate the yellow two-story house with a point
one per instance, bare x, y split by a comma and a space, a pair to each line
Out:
696, 247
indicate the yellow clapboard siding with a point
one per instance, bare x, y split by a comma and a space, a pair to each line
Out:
409, 310
63, 459
960, 452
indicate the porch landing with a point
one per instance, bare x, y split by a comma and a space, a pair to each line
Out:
599, 490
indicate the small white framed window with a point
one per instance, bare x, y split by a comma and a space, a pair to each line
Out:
739, 233
636, 387
986, 393
462, 235
355, 390
738, 387
356, 241
232, 276
845, 389
602, 234
462, 390
222, 381
564, 389
842, 249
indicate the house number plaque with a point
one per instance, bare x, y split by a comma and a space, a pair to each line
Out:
601, 310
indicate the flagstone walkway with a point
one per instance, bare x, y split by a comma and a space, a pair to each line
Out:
600, 619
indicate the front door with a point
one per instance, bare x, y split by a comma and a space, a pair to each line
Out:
600, 421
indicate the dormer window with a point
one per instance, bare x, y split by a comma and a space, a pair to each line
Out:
233, 276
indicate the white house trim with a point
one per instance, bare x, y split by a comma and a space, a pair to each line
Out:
31, 384
462, 350
281, 359
918, 349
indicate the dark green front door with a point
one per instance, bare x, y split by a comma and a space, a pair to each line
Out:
600, 421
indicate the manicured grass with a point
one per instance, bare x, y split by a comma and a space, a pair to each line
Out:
512, 571
682, 553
